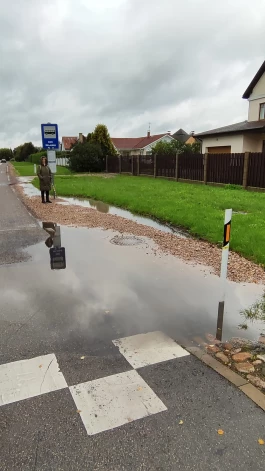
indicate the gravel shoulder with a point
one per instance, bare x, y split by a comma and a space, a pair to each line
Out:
190, 250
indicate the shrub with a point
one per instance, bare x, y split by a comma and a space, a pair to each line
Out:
86, 157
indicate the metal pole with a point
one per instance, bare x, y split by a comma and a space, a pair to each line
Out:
224, 263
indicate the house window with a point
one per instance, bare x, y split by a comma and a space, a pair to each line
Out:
262, 111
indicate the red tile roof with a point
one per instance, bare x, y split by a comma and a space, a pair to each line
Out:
135, 142
68, 142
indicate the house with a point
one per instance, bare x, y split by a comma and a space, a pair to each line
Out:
68, 142
128, 146
185, 138
247, 136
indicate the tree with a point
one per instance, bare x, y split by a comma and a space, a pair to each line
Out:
86, 157
174, 146
101, 137
6, 153
22, 152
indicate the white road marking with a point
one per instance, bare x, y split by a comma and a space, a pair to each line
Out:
20, 228
30, 378
147, 349
113, 401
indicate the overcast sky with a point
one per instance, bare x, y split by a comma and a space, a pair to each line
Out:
125, 63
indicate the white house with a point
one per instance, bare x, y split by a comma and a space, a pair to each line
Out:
139, 145
247, 136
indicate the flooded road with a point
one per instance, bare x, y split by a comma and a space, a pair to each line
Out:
109, 291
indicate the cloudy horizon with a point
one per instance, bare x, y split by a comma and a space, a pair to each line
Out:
126, 63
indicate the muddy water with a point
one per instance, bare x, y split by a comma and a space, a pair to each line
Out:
108, 291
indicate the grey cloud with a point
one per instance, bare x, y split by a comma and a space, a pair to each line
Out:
125, 63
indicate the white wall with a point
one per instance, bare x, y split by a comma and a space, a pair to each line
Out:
256, 97
235, 141
253, 142
165, 138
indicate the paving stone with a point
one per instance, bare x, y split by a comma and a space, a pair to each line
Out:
258, 382
221, 356
245, 367
241, 357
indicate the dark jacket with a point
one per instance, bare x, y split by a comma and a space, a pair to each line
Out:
45, 177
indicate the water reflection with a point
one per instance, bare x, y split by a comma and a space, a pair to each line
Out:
57, 252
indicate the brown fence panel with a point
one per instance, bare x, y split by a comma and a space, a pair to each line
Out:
135, 165
191, 166
256, 170
166, 166
146, 166
225, 168
113, 164
126, 164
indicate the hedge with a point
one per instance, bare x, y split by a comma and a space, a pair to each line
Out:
35, 158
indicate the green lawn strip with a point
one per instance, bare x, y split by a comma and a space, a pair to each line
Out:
26, 169
197, 208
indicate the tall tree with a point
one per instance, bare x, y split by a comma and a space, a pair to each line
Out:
101, 136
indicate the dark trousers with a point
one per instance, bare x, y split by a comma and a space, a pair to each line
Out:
47, 195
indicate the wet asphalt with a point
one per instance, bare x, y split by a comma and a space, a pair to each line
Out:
107, 292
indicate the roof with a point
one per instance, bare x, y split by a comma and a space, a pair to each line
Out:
244, 126
254, 81
68, 142
135, 142
181, 135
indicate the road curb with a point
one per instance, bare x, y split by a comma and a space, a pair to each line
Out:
241, 383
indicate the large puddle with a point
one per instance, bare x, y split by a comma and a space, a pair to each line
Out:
30, 190
109, 291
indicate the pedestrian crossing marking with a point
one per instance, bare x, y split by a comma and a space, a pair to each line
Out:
148, 349
113, 401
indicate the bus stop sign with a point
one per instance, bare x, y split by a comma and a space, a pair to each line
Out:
50, 136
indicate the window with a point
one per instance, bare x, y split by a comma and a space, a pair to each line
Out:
262, 111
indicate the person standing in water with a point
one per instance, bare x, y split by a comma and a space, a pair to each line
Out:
45, 178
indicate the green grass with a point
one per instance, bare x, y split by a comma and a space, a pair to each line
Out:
198, 208
26, 169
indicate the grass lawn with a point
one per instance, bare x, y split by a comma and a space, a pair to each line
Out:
26, 169
198, 208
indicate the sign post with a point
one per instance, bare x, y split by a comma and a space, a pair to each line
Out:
50, 141
224, 263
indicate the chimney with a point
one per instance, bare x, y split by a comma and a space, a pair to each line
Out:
80, 137
192, 133
148, 133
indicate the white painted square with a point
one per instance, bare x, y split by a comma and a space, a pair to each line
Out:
113, 401
147, 349
29, 378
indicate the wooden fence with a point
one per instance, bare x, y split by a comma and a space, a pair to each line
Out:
246, 169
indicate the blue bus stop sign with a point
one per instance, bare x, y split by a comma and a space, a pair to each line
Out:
50, 136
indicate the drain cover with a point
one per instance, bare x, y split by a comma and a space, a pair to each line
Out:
126, 240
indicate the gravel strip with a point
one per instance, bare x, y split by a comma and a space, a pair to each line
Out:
190, 250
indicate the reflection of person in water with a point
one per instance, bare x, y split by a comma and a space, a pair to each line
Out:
45, 178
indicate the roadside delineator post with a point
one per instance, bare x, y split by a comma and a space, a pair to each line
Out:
224, 263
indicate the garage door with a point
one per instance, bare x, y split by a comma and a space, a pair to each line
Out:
219, 150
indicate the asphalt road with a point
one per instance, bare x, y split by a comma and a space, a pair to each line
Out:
90, 378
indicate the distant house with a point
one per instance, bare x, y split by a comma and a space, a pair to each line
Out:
185, 138
247, 136
138, 145
68, 142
